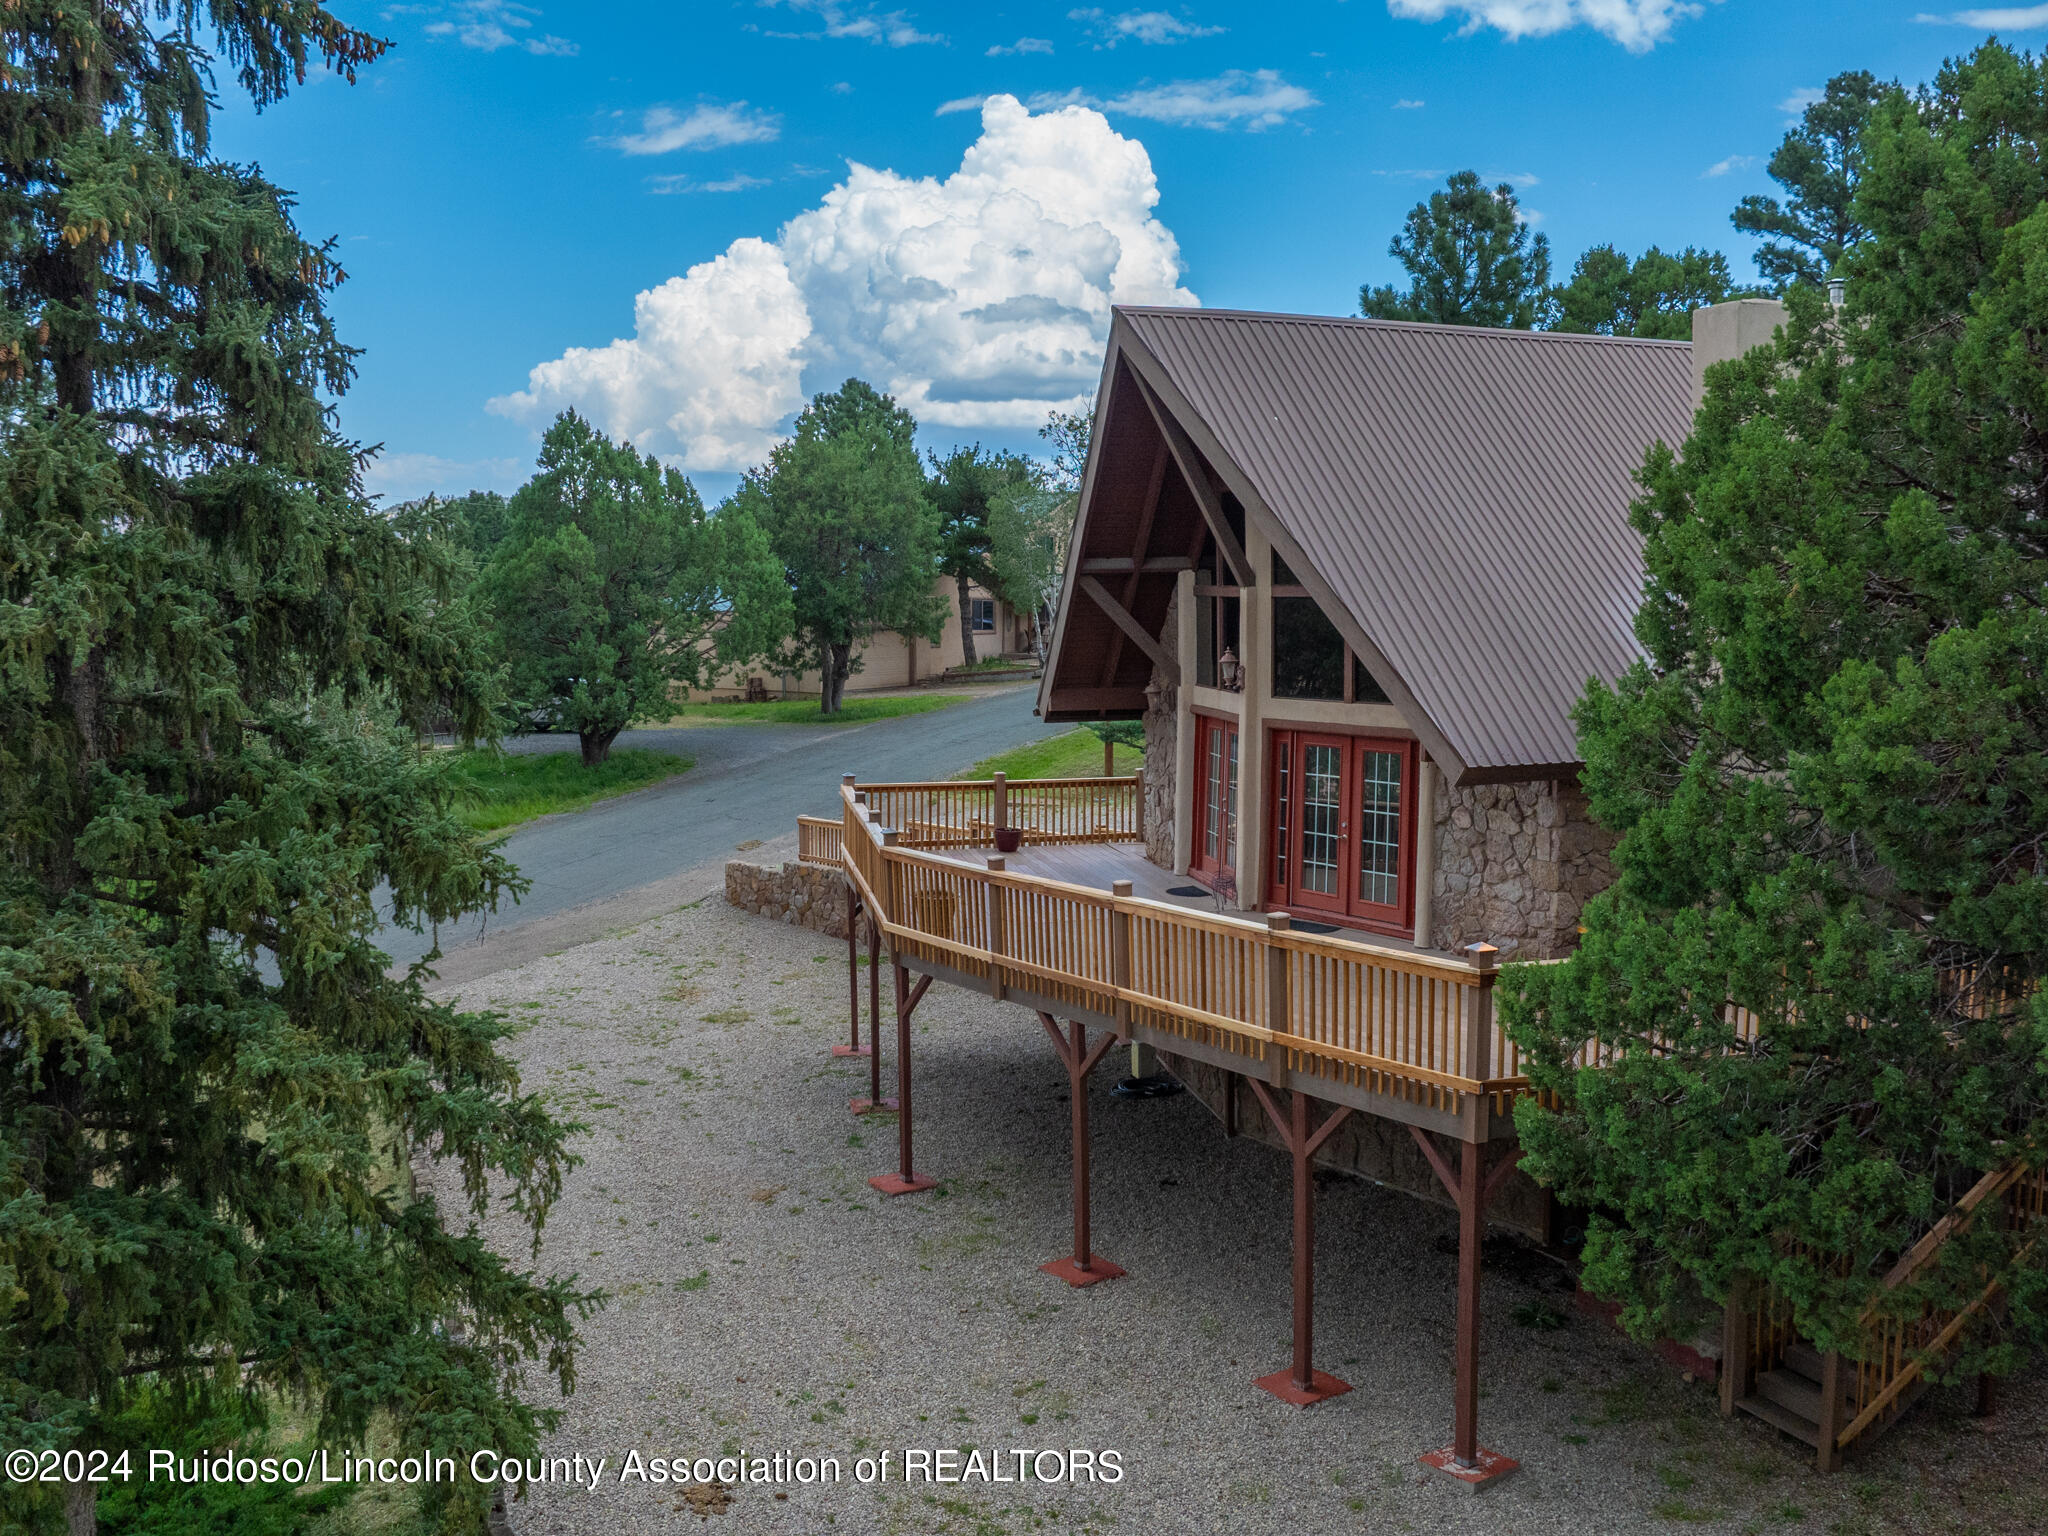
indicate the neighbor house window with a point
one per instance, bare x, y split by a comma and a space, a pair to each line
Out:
981, 614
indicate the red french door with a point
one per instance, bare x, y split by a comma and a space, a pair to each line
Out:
1215, 794
1343, 821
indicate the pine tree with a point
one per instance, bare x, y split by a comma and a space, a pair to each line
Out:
844, 507
964, 485
1470, 259
214, 655
1831, 780
1652, 296
611, 588
1819, 163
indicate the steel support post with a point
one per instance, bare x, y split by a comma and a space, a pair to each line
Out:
1084, 1266
874, 1100
853, 914
1301, 1383
1465, 1461
905, 1180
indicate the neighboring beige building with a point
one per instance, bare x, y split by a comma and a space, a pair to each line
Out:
886, 659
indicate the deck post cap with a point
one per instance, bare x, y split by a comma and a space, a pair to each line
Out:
846, 778
995, 862
1121, 887
860, 797
1279, 922
1483, 955
888, 837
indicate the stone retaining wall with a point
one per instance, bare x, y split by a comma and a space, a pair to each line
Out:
803, 894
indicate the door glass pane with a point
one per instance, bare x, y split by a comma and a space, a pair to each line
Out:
1322, 778
1379, 827
1230, 806
1280, 822
1213, 783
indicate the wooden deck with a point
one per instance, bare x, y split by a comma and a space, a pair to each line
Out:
1079, 925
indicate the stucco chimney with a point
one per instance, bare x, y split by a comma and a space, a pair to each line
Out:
1724, 331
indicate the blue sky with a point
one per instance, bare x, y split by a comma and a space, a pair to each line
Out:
687, 217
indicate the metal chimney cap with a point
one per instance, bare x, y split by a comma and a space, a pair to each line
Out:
1837, 288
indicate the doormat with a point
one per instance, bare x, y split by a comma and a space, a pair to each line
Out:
1189, 890
1301, 927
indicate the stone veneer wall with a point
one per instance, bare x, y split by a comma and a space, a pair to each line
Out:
1514, 864
1162, 742
803, 894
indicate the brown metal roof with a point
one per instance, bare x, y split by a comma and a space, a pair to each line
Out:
1462, 492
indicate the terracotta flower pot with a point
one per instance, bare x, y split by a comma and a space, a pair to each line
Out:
1009, 839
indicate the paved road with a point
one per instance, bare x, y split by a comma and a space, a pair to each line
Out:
750, 781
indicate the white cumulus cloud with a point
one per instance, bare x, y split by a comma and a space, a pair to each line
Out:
1797, 103
1638, 25
709, 125
1723, 167
1022, 45
712, 367
980, 300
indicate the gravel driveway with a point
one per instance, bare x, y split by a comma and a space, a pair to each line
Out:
767, 1301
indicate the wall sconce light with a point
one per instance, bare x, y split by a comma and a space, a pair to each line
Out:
1229, 671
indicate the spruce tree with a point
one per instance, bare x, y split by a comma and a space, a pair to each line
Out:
1831, 780
214, 655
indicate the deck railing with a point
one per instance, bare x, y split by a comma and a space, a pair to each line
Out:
1415, 1026
818, 841
1897, 1351
965, 812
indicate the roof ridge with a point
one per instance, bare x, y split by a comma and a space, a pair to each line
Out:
1192, 312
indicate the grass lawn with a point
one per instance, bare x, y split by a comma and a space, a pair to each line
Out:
804, 711
502, 789
1075, 755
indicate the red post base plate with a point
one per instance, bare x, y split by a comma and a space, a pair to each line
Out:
851, 1050
869, 1106
1487, 1467
1281, 1385
896, 1184
1098, 1270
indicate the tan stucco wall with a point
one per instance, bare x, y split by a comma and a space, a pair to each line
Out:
888, 660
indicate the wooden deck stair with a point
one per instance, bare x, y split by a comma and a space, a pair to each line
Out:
1788, 1397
